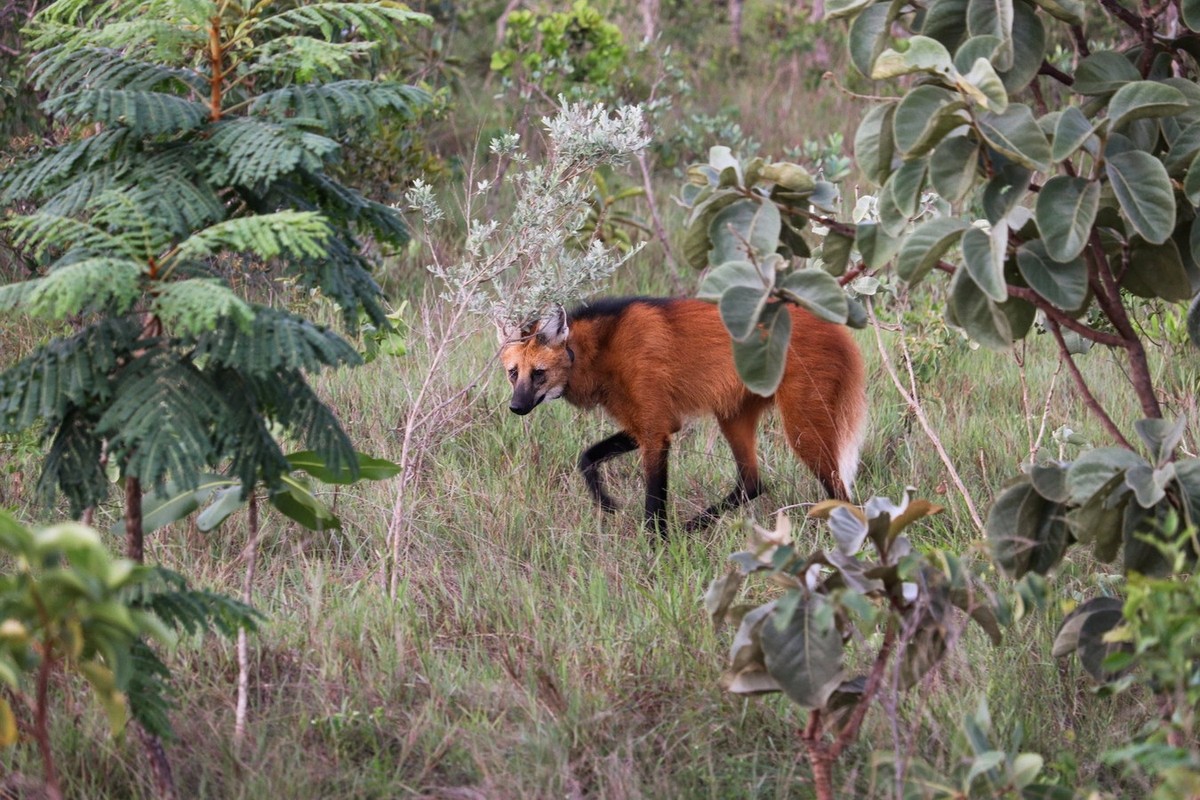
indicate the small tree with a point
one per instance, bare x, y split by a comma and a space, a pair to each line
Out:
840, 599
195, 173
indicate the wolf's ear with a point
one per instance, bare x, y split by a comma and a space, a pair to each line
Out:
507, 332
553, 330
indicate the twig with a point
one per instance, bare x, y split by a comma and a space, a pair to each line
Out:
915, 406
1089, 399
250, 555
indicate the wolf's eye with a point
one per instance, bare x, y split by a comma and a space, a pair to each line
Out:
539, 374
512, 374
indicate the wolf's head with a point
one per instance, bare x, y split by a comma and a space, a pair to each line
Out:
538, 361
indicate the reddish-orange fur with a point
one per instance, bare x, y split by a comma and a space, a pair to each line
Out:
653, 363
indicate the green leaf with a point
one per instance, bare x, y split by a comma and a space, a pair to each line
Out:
725, 276
792, 177
741, 225
296, 502
1066, 211
977, 314
817, 291
1070, 132
1144, 191
903, 188
1065, 285
984, 256
174, 502
1142, 99
1069, 11
1004, 191
225, 502
370, 468
874, 144
741, 307
868, 36
953, 167
835, 253
1016, 134
1156, 271
993, 18
760, 359
983, 84
1103, 72
924, 247
1189, 12
875, 246
1191, 181
920, 54
804, 653
924, 116
1093, 469
844, 8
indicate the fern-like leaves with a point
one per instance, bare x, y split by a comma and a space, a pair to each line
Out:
191, 307
339, 106
369, 20
300, 234
143, 113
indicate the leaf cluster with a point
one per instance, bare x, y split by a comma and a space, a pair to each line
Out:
69, 605
835, 598
745, 223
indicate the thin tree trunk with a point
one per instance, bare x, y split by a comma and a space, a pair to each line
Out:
243, 644
735, 24
649, 10
135, 545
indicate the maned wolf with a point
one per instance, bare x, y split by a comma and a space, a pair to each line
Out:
652, 363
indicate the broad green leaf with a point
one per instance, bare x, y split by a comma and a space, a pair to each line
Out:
1005, 191
946, 21
835, 253
732, 273
792, 177
1094, 468
1013, 525
1103, 72
1029, 46
1184, 147
760, 359
370, 468
225, 502
975, 48
874, 143
983, 85
978, 315
1144, 99
923, 248
721, 158
1144, 191
984, 255
844, 8
1065, 285
174, 502
953, 166
1156, 271
745, 223
1191, 182
875, 246
696, 242
817, 291
1189, 12
720, 595
924, 116
1071, 131
868, 36
1066, 210
296, 502
805, 653
1066, 641
984, 762
919, 54
993, 18
741, 307
1069, 11
1016, 134
904, 187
